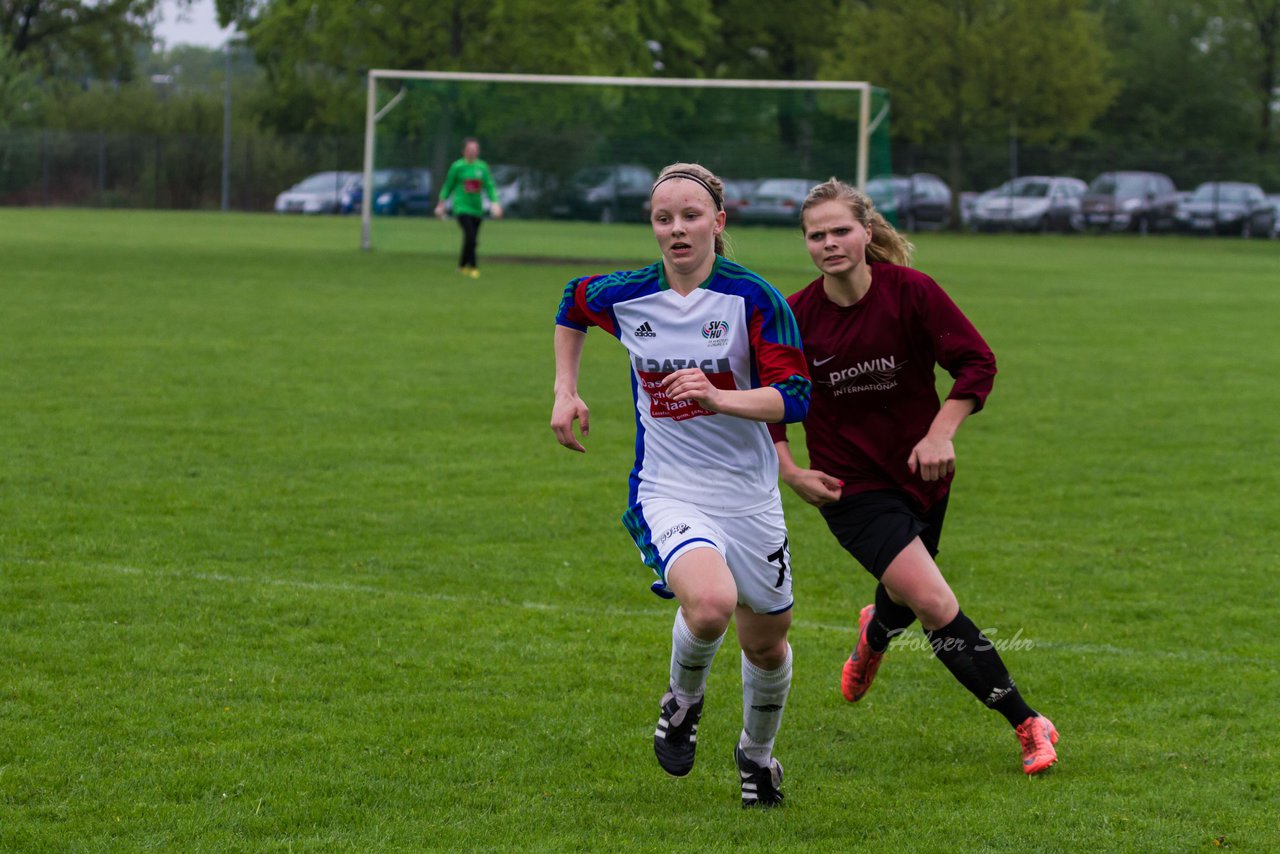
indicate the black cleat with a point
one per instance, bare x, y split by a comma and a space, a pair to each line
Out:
676, 737
759, 784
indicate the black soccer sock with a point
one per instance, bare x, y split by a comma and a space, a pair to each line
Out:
974, 662
890, 620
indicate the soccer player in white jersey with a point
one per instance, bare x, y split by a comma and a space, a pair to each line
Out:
715, 355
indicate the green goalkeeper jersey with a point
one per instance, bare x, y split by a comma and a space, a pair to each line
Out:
467, 184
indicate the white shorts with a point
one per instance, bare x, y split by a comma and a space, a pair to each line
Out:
754, 546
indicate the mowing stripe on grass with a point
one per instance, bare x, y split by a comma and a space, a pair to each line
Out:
558, 607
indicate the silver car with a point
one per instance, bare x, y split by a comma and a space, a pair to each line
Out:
1031, 203
776, 200
318, 193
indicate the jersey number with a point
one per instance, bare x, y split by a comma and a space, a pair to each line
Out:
780, 558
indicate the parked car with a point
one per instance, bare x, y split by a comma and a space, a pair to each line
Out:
385, 180
522, 190
775, 200
1275, 221
737, 195
606, 193
969, 200
1031, 203
318, 193
1129, 201
406, 192
912, 202
1227, 207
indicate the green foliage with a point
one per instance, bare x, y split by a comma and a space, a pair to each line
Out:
1201, 73
291, 562
316, 53
158, 141
686, 34
778, 41
1250, 36
1101, 79
787, 41
965, 71
192, 67
71, 38
142, 108
1177, 85
20, 96
977, 70
1047, 69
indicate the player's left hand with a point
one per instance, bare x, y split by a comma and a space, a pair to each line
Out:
496, 210
692, 384
932, 459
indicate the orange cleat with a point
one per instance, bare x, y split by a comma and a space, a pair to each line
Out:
861, 667
1037, 736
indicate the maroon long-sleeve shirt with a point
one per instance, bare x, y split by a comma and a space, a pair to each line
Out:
872, 365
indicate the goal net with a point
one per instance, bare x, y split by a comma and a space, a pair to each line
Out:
564, 146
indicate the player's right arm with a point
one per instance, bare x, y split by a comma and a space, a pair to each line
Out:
581, 306
568, 406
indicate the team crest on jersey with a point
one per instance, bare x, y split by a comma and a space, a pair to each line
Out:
716, 333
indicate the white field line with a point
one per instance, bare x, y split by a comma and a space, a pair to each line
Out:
910, 643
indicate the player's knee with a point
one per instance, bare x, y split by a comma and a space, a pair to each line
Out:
767, 655
707, 614
936, 607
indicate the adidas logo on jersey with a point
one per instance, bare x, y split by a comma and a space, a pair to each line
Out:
644, 330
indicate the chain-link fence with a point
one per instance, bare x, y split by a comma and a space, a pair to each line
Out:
47, 167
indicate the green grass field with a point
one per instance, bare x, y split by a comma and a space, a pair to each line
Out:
290, 561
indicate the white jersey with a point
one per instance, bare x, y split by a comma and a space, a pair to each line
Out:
740, 331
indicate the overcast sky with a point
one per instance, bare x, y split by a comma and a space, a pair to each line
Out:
197, 25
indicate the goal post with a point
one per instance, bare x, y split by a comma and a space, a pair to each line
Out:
748, 129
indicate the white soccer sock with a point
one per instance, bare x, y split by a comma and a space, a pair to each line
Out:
691, 658
764, 695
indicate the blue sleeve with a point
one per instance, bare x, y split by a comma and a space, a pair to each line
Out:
795, 392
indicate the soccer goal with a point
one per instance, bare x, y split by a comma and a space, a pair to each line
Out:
588, 147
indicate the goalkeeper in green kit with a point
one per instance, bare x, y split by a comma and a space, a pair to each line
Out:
467, 183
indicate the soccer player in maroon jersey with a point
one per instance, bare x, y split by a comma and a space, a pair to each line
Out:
880, 444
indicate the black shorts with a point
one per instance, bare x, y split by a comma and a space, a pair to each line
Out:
876, 526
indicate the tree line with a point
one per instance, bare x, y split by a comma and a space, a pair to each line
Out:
973, 82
